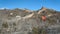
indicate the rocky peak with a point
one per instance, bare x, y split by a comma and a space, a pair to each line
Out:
43, 8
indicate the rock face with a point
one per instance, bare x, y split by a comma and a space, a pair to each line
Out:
19, 21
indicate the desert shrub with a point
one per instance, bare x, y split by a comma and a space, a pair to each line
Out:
35, 30
5, 25
39, 31
14, 24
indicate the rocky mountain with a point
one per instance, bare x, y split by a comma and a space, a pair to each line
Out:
24, 21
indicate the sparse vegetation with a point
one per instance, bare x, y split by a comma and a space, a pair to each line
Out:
22, 23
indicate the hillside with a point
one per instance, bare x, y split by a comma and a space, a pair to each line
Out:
20, 21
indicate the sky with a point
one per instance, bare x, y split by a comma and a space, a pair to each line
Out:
30, 4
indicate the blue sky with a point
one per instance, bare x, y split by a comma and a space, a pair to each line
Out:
30, 4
